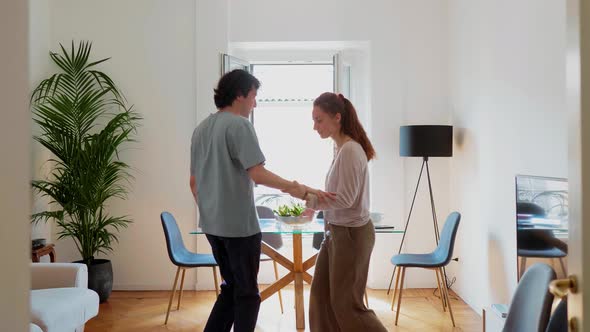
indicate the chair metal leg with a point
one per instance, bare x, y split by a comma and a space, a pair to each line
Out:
446, 297
172, 295
522, 267
396, 289
562, 267
277, 278
446, 290
180, 290
518, 264
399, 299
215, 280
440, 291
391, 281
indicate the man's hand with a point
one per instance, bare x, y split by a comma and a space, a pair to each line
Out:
296, 190
304, 192
193, 185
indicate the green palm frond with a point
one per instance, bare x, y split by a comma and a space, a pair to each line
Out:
84, 122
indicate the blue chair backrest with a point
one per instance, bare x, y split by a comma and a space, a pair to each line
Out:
318, 238
264, 212
531, 304
531, 209
273, 240
558, 321
444, 251
174, 243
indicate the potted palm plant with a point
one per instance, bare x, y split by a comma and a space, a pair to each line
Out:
84, 122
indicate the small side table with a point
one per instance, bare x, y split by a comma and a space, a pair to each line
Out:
36, 254
492, 320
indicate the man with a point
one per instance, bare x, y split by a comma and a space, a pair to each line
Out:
225, 159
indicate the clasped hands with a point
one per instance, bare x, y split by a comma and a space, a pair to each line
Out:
304, 192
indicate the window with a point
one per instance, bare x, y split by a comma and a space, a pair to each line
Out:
284, 124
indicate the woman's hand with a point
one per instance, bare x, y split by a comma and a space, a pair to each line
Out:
322, 196
304, 192
308, 212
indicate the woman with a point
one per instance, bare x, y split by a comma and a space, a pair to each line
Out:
336, 300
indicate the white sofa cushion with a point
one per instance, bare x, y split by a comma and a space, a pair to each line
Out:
62, 309
56, 275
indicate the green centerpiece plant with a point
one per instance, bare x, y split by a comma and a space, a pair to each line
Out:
295, 210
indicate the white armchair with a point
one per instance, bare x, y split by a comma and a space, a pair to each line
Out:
60, 298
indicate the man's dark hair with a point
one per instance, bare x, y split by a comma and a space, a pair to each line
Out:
236, 83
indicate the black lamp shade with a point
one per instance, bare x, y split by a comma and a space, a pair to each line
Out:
426, 141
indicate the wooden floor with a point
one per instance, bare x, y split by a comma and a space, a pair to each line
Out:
145, 311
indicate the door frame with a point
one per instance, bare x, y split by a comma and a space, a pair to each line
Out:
578, 105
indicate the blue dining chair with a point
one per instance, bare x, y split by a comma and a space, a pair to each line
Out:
183, 258
537, 243
274, 241
318, 238
530, 307
558, 320
435, 260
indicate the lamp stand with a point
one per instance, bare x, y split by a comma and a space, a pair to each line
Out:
434, 219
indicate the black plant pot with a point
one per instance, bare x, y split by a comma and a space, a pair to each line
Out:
100, 277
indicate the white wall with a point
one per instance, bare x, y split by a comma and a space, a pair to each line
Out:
408, 85
39, 67
211, 40
507, 65
425, 89
15, 167
152, 50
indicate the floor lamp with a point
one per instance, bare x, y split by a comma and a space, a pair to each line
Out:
424, 141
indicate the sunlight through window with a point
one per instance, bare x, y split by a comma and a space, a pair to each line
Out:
284, 125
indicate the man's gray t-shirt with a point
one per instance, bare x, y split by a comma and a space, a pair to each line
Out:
223, 147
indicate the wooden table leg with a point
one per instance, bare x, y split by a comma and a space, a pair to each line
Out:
299, 306
297, 273
284, 281
298, 269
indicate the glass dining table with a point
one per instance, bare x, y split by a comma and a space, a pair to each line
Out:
297, 268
